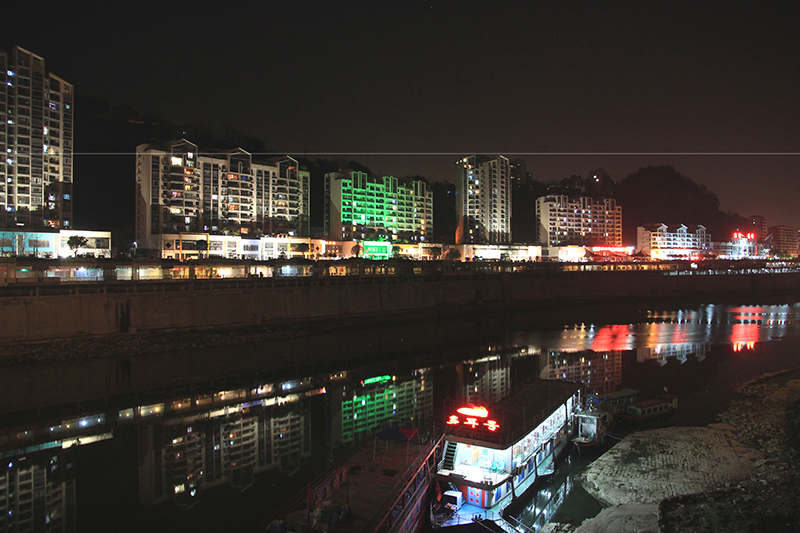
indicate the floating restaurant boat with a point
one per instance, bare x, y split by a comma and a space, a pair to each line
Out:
491, 453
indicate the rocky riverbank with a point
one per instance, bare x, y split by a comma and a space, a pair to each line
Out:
766, 415
738, 475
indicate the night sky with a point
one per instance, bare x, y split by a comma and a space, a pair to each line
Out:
569, 86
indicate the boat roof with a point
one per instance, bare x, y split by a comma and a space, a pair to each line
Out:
618, 394
520, 412
662, 398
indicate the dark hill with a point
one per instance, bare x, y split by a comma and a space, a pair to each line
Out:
662, 194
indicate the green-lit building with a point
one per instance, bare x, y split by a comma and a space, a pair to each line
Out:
358, 207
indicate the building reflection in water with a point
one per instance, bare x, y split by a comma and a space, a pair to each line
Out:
485, 381
37, 491
359, 409
188, 443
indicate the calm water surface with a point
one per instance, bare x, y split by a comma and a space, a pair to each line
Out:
220, 439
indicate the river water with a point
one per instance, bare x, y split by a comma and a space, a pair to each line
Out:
212, 439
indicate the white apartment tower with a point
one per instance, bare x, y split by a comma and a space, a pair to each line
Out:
180, 190
483, 200
581, 221
36, 141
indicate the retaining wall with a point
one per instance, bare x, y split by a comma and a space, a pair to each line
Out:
47, 317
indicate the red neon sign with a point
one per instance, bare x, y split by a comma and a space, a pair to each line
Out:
491, 425
470, 415
474, 410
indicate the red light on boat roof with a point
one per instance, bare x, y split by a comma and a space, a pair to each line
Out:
474, 410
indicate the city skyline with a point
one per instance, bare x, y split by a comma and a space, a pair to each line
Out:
409, 90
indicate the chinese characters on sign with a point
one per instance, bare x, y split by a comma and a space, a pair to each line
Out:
474, 417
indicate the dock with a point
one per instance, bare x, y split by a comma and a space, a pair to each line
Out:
382, 485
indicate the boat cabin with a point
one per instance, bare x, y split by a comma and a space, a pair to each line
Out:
652, 407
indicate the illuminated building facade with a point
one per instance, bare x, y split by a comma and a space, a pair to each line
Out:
359, 207
179, 190
483, 200
379, 402
660, 241
36, 141
52, 244
583, 221
741, 246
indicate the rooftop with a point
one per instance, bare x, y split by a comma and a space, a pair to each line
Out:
518, 413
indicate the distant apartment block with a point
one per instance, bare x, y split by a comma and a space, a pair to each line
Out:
358, 207
660, 241
180, 190
581, 221
483, 200
784, 240
36, 140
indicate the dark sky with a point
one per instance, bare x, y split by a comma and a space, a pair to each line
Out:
548, 82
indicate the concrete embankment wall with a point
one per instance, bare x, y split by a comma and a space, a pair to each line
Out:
47, 317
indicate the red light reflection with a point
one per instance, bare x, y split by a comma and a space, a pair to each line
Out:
612, 338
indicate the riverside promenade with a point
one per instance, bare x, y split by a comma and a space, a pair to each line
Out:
45, 308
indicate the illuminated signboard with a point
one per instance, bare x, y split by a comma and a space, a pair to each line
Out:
379, 379
474, 416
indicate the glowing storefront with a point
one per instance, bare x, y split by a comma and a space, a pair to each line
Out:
490, 452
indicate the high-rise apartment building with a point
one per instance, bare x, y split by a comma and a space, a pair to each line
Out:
483, 200
784, 240
581, 221
36, 140
179, 190
358, 207
758, 225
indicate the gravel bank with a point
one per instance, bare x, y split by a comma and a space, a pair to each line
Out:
738, 475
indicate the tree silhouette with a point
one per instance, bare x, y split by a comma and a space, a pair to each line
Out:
75, 242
